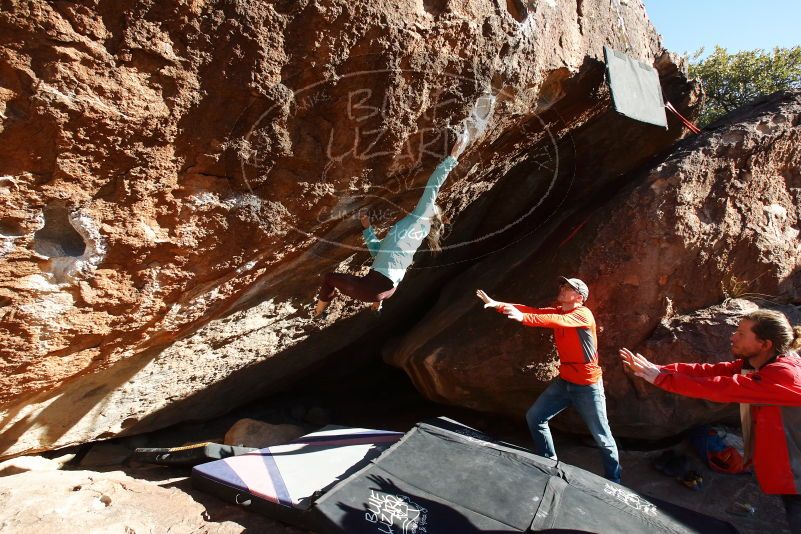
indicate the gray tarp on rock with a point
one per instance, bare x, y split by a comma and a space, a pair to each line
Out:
636, 92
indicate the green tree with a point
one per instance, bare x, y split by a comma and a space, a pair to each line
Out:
731, 80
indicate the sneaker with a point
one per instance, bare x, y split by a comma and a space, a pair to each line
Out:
693, 480
671, 463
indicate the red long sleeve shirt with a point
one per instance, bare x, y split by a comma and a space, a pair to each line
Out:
575, 337
774, 395
775, 383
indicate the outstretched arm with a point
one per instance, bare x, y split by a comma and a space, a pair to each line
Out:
705, 369
578, 318
425, 206
770, 386
501, 307
645, 369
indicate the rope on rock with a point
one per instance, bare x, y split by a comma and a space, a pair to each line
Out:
684, 120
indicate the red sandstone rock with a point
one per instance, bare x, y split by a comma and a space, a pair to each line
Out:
254, 433
718, 217
175, 177
88, 501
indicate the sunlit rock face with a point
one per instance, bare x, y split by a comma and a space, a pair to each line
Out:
113, 501
715, 219
175, 176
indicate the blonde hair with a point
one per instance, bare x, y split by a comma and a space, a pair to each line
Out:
796, 343
435, 233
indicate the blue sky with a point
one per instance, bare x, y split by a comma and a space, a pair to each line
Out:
686, 25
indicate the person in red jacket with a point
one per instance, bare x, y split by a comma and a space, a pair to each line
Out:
766, 380
579, 382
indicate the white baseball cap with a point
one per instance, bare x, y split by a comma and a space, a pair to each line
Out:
576, 284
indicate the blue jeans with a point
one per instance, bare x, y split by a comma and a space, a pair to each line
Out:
590, 402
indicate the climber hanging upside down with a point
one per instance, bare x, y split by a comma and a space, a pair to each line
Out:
394, 253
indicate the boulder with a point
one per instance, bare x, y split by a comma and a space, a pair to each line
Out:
105, 455
253, 433
21, 464
114, 502
176, 176
318, 416
717, 217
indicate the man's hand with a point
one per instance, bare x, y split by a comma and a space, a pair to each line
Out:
488, 302
462, 140
512, 313
364, 219
639, 365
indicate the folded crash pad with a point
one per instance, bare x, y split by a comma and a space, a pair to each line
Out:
283, 481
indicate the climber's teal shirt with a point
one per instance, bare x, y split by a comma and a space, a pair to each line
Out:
395, 252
